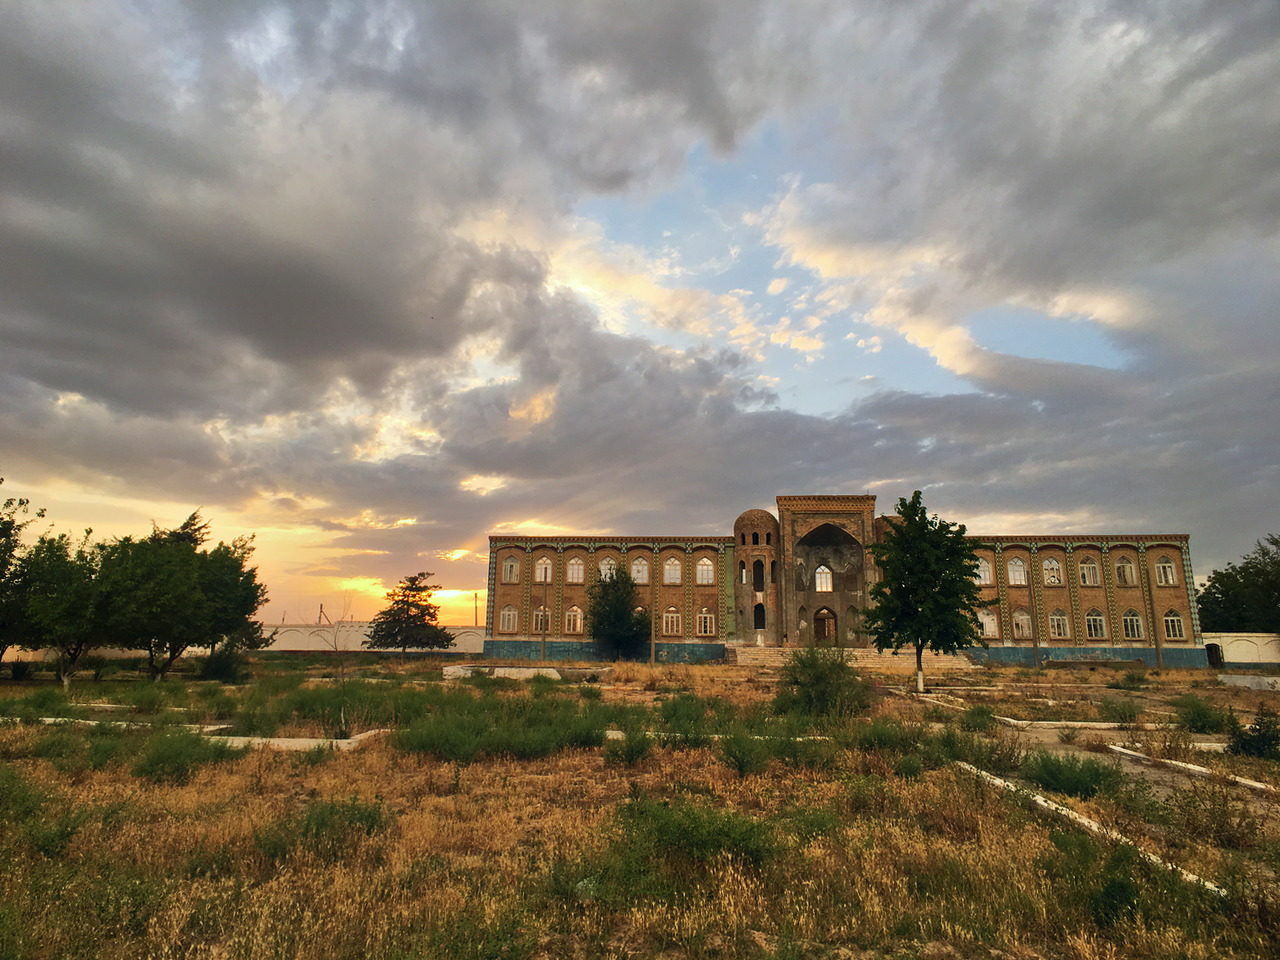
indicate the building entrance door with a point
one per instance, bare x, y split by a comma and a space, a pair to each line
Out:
824, 628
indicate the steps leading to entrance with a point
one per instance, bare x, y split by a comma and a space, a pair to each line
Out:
774, 658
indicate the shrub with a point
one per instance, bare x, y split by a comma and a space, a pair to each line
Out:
980, 718
172, 756
1260, 739
1075, 776
224, 664
1001, 754
909, 766
885, 733
635, 745
818, 683
325, 829
685, 719
1200, 716
19, 800
807, 752
21, 670
1119, 710
590, 693
1132, 680
681, 834
745, 753
146, 698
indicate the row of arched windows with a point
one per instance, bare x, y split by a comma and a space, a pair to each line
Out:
755, 539
672, 621
1088, 571
1095, 625
575, 570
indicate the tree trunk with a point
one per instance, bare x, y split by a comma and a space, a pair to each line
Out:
919, 669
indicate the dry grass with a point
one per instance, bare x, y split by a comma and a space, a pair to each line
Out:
535, 859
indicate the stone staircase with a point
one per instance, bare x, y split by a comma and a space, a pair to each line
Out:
869, 660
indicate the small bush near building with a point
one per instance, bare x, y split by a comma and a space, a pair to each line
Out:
745, 753
818, 683
635, 745
226, 665
1081, 777
1119, 710
1259, 739
978, 719
1199, 715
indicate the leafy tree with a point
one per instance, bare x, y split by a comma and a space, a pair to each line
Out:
15, 516
164, 594
927, 596
409, 619
620, 630
59, 581
1244, 597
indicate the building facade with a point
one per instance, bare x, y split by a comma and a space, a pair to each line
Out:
802, 577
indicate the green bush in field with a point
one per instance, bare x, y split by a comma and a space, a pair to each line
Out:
1119, 710
885, 733
524, 729
663, 848
172, 756
745, 753
999, 754
818, 683
978, 719
325, 829
1199, 715
1260, 739
224, 664
635, 745
1081, 777
18, 799
686, 721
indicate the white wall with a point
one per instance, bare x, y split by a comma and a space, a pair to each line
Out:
350, 634
1247, 647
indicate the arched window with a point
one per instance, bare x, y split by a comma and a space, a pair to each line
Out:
757, 617
671, 622
984, 571
1052, 573
773, 571
1059, 625
671, 570
1132, 622
1089, 572
987, 621
573, 620
608, 567
757, 576
822, 579
1125, 575
706, 571
706, 623
1021, 625
640, 570
575, 571
744, 539
1095, 625
755, 539
511, 570
1017, 570
742, 570
768, 539
1173, 626
541, 620
507, 620
542, 570
1165, 575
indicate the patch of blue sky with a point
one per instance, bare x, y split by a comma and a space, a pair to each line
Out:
1028, 333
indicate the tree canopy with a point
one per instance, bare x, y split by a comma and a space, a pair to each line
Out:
620, 630
408, 622
927, 596
1244, 597
15, 515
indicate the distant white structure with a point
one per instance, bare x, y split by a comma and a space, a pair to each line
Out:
1244, 647
350, 635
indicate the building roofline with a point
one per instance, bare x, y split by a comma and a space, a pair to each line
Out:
1103, 537
602, 537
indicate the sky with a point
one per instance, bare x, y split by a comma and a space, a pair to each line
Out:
373, 280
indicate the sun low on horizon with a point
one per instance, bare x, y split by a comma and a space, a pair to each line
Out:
375, 282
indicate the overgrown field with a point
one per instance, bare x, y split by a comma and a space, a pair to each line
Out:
726, 817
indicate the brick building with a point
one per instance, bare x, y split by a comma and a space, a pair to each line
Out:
802, 576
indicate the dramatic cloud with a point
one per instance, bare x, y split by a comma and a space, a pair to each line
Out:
379, 278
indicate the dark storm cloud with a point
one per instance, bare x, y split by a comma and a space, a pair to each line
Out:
241, 244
